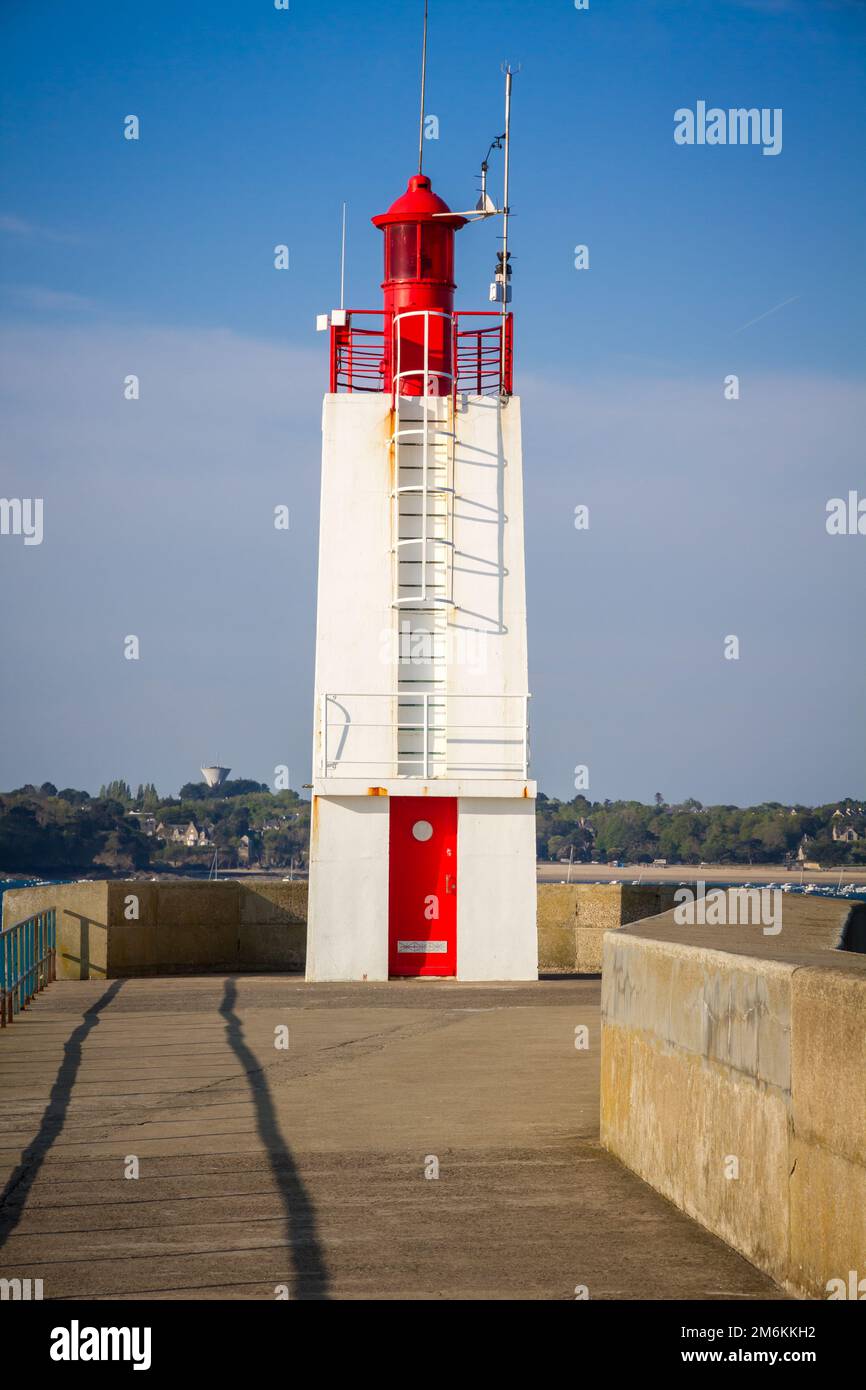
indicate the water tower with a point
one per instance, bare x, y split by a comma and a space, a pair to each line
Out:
215, 776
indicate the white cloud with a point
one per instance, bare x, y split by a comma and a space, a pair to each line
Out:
19, 226
45, 300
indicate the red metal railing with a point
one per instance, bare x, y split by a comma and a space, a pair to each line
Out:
479, 368
358, 353
482, 364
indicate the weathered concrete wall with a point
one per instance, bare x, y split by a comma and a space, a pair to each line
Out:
732, 1081
572, 920
827, 1184
186, 926
82, 924
191, 925
557, 943
273, 922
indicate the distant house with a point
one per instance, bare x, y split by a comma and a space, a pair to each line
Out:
189, 835
845, 832
843, 825
844, 829
197, 837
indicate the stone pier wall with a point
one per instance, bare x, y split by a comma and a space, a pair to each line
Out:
733, 1068
191, 925
188, 926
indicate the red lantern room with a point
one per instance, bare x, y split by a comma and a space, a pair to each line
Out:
419, 289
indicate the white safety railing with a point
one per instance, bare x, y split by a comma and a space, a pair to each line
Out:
426, 735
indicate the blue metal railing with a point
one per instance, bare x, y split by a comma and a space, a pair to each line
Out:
28, 955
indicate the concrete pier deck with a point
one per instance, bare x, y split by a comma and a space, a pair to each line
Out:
262, 1167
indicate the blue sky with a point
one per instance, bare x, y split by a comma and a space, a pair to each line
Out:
155, 256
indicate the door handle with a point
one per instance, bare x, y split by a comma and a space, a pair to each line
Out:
450, 883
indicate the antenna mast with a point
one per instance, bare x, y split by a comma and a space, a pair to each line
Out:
505, 211
423, 85
343, 263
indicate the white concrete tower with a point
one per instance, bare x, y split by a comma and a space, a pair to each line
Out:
422, 858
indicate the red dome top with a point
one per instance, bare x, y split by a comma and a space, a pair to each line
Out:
419, 204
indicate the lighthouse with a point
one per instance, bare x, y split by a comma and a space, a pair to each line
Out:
422, 855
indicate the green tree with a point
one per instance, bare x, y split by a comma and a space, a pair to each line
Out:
73, 797
119, 791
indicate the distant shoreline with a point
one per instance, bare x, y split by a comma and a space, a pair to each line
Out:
545, 873
104, 874
689, 873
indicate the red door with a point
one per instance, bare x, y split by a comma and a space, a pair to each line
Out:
422, 906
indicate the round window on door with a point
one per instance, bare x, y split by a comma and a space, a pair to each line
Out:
422, 830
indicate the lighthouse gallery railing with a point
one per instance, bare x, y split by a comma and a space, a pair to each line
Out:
358, 352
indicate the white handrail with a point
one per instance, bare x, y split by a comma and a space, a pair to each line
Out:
432, 761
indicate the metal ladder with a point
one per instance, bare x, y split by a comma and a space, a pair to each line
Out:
422, 524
